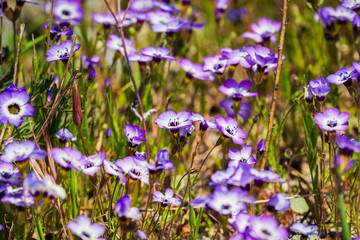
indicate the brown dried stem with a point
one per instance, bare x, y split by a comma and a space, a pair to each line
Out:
276, 85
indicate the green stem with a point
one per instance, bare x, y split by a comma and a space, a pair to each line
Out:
73, 193
50, 22
39, 231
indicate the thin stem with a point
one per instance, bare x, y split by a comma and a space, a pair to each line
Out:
16, 66
276, 85
50, 22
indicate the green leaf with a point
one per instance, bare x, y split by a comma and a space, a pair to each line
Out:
299, 205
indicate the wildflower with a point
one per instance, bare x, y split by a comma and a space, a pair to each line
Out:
347, 146
342, 76
9, 175
215, 64
89, 63
65, 135
18, 197
194, 70
263, 58
332, 120
61, 51
22, 151
124, 210
167, 198
135, 168
141, 235
57, 32
84, 229
134, 135
165, 6
93, 164
244, 108
108, 132
352, 4
158, 53
50, 94
14, 106
278, 203
266, 227
343, 14
263, 31
236, 14
204, 123
237, 90
221, 6
226, 201
228, 127
141, 5
106, 19
242, 176
241, 222
46, 186
326, 16
320, 88
68, 12
113, 170
162, 162
172, 120
222, 176
140, 58
160, 16
237, 56
68, 158
261, 146
308, 95
169, 27
265, 176
92, 74
305, 230
243, 156
115, 43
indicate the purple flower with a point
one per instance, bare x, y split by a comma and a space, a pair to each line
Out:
134, 135
108, 132
347, 146
68, 11
113, 170
222, 176
86, 230
263, 31
18, 198
169, 27
56, 32
106, 19
68, 158
65, 135
167, 198
107, 82
9, 175
94, 163
226, 202
261, 146
92, 74
115, 43
215, 64
242, 176
320, 88
237, 90
50, 94
89, 63
140, 58
200, 201
22, 151
308, 95
221, 6
159, 16
158, 53
172, 120
353, 4
243, 156
61, 52
194, 70
14, 106
236, 14
241, 222
204, 123
278, 203
141, 5
162, 162
332, 120
342, 76
237, 56
266, 227
228, 104
46, 186
135, 168
228, 127
165, 7
343, 14
124, 210
305, 230
262, 57
265, 176
141, 235
326, 16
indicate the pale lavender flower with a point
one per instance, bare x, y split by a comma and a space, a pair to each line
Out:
244, 109
65, 135
278, 203
68, 158
237, 90
305, 230
343, 75
61, 51
115, 43
263, 31
135, 168
86, 230
89, 63
172, 120
229, 128
237, 56
215, 64
243, 156
332, 120
9, 175
134, 135
266, 227
93, 164
124, 210
320, 88
22, 151
158, 53
194, 70
167, 198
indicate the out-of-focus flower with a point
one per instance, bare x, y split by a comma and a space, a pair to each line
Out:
305, 230
169, 27
9, 175
204, 123
229, 128
172, 120
68, 12
167, 198
215, 64
236, 14
115, 43
22, 151
278, 203
263, 31
14, 106
262, 58
332, 120
108, 132
57, 31
65, 135
265, 176
106, 19
141, 235
86, 230
194, 70
68, 158
46, 186
61, 51
244, 108
159, 16
113, 170
347, 146
266, 227
261, 146
158, 53
162, 162
124, 210
243, 156
18, 197
221, 6
89, 63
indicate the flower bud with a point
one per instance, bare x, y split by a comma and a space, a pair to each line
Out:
92, 74
77, 113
